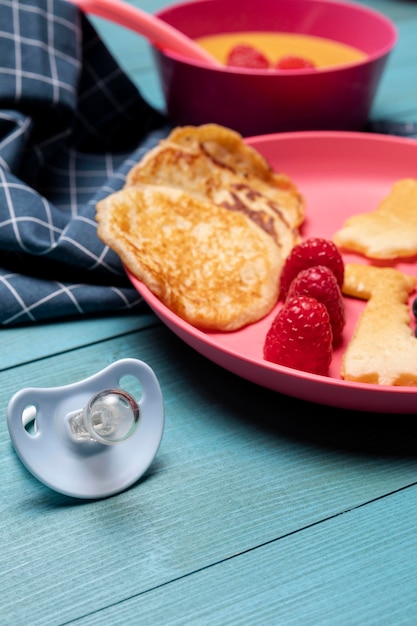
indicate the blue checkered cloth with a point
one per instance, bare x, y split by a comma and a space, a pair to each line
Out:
71, 126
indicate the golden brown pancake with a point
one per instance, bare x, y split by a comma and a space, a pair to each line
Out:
214, 163
215, 268
206, 224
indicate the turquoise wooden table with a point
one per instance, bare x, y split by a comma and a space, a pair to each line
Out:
258, 508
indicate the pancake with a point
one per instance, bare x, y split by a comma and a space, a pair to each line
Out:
206, 224
212, 162
215, 268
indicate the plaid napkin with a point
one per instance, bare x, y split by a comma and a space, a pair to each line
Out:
71, 125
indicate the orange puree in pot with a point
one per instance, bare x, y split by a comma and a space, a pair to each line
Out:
322, 52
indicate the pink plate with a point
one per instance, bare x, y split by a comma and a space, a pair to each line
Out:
339, 173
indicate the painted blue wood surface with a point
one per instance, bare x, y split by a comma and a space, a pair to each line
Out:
239, 469
258, 509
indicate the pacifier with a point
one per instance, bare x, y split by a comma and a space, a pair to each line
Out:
90, 439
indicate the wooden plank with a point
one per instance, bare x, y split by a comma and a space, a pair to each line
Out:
395, 99
23, 344
358, 568
239, 467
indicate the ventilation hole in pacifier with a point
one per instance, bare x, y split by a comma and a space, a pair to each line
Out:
29, 419
132, 385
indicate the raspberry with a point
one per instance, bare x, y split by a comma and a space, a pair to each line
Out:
313, 251
294, 63
319, 282
243, 55
300, 336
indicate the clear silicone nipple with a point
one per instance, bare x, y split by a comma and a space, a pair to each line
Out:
110, 417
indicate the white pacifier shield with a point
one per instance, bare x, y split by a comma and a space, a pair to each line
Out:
88, 469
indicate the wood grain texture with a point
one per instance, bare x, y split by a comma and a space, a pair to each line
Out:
355, 568
29, 343
237, 470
